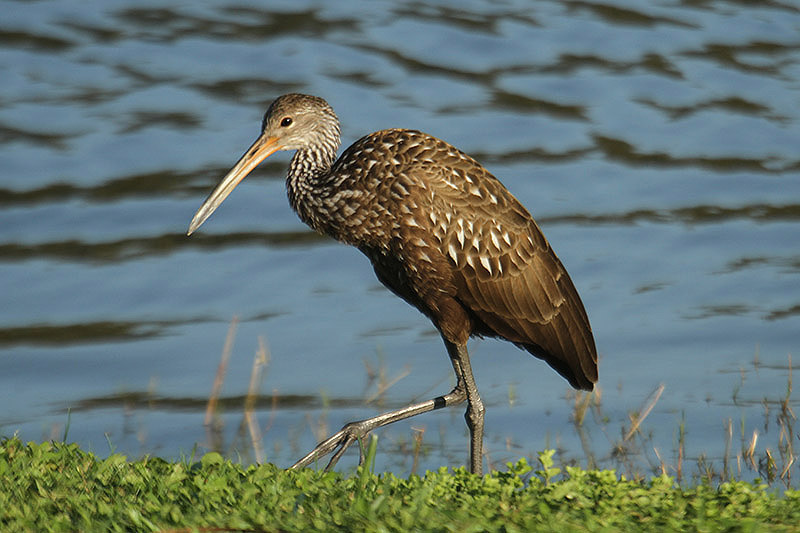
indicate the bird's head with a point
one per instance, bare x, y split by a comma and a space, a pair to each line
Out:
300, 122
292, 122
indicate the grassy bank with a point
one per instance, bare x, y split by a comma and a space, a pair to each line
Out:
59, 487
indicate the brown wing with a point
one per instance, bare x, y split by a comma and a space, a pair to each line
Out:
505, 272
460, 248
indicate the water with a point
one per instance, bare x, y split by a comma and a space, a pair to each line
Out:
658, 147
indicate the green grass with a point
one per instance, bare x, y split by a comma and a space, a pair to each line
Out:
59, 487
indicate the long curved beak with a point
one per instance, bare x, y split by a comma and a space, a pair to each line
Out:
260, 150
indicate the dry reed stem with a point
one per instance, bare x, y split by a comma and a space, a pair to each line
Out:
728, 442
384, 385
681, 449
785, 405
219, 378
582, 401
419, 433
636, 420
785, 471
662, 464
750, 452
260, 362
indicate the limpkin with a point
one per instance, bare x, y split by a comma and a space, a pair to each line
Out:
442, 233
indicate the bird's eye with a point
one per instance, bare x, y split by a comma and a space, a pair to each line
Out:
286, 122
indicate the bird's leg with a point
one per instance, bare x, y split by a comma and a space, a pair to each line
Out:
475, 410
354, 431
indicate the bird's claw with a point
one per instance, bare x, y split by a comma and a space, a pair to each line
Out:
336, 444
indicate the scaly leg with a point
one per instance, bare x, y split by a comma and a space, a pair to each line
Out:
354, 431
475, 410
465, 389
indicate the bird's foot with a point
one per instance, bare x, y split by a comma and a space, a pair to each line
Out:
337, 444
355, 431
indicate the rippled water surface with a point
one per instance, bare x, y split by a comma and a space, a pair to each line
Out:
657, 144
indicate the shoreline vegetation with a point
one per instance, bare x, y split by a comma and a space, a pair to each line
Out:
54, 486
631, 449
58, 486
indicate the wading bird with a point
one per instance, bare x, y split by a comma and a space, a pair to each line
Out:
442, 233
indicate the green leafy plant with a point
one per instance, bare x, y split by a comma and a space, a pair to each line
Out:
59, 487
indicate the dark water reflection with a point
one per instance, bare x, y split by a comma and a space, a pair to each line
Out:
657, 146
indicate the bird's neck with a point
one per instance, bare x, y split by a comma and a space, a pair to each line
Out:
310, 183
